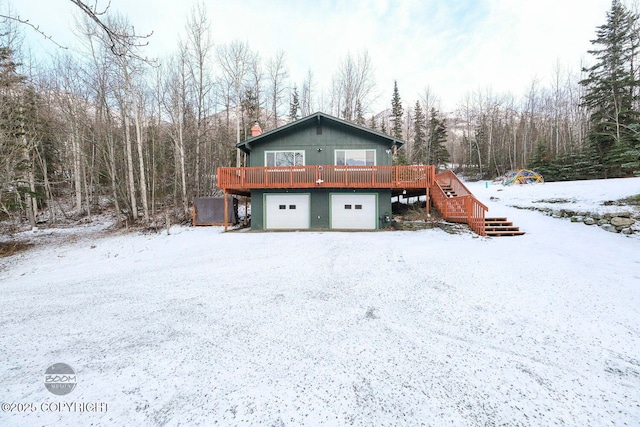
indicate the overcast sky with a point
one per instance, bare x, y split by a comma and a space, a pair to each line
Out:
452, 46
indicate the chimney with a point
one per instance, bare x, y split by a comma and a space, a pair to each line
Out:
256, 129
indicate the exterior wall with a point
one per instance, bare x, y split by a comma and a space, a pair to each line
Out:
320, 206
333, 137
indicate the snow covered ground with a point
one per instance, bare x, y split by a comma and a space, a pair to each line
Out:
329, 328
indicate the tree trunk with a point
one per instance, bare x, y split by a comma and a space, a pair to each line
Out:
129, 156
143, 178
77, 180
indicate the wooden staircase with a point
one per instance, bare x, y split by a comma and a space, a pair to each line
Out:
456, 203
496, 227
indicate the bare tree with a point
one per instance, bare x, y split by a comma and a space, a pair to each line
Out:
199, 48
306, 97
235, 59
121, 43
277, 74
353, 84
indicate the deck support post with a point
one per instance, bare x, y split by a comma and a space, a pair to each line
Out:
246, 210
226, 210
428, 203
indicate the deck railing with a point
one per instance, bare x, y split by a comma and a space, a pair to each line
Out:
464, 207
316, 176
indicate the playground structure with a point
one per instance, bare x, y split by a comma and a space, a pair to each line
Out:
522, 176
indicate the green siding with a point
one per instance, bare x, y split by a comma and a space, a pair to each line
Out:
320, 207
319, 149
331, 139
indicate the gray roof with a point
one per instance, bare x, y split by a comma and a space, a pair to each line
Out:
319, 118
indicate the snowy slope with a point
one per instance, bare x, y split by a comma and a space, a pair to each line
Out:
315, 328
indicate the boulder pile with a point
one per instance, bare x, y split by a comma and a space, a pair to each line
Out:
620, 222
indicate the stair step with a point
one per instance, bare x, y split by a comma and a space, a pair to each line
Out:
448, 191
504, 233
500, 226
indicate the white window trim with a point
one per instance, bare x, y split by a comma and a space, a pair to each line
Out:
304, 157
375, 155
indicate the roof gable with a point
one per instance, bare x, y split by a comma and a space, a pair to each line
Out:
318, 119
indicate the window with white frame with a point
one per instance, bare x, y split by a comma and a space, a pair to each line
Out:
356, 157
284, 158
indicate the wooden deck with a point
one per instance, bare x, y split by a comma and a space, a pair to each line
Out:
243, 180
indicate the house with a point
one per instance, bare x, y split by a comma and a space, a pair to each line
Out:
321, 172
324, 173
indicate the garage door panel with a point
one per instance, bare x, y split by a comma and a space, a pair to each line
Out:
354, 211
287, 211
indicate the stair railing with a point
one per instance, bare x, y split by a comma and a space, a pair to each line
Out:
463, 207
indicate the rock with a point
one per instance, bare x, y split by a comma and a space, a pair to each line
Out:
589, 221
603, 221
577, 218
623, 222
626, 231
609, 227
624, 214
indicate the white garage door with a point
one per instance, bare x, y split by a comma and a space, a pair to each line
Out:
353, 211
287, 211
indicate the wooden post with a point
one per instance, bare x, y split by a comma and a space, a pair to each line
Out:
246, 209
226, 209
428, 203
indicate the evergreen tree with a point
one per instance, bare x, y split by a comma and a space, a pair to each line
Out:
360, 120
419, 152
372, 124
396, 112
437, 138
610, 94
250, 111
294, 105
541, 158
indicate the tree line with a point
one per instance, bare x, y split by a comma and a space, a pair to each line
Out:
111, 129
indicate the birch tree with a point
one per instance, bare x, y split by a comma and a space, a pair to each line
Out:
277, 75
235, 60
352, 84
199, 49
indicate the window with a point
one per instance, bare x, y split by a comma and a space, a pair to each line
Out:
358, 206
292, 206
356, 157
347, 206
284, 158
282, 207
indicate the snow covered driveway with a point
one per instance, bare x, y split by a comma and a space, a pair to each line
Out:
309, 328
